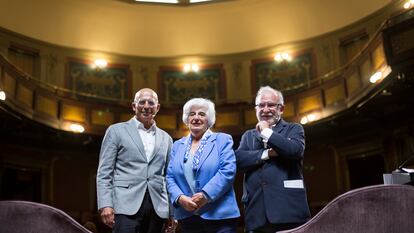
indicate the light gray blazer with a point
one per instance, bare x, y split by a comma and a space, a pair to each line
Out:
125, 173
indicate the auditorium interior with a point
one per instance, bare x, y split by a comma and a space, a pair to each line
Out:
69, 69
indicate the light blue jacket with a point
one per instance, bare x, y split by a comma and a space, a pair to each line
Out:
215, 176
125, 173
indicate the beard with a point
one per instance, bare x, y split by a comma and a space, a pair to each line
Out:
271, 119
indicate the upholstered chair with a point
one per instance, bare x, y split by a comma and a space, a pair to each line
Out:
30, 217
372, 209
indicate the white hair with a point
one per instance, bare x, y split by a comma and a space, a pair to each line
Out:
201, 102
271, 90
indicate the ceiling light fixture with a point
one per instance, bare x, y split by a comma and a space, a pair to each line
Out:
195, 67
159, 1
279, 57
187, 68
100, 63
196, 1
191, 68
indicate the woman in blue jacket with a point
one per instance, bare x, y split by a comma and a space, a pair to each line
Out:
201, 173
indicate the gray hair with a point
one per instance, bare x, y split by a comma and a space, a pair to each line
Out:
154, 94
271, 90
201, 102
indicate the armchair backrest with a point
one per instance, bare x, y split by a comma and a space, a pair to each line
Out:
25, 217
372, 209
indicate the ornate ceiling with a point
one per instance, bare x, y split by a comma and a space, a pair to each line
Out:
165, 31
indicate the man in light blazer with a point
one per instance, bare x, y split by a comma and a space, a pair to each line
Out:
131, 186
271, 157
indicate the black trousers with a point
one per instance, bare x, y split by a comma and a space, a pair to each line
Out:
196, 224
272, 228
145, 220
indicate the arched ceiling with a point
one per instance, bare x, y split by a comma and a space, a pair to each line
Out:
163, 31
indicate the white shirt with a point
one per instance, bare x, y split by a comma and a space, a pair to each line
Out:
265, 134
147, 137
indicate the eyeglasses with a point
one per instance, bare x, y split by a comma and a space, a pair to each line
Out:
151, 103
269, 105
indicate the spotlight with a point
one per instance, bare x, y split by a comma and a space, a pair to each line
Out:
76, 128
2, 95
375, 77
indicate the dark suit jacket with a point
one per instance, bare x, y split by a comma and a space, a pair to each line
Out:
270, 189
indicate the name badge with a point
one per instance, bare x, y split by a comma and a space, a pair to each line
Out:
297, 184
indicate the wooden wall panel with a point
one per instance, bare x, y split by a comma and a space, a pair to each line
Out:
9, 85
353, 83
289, 109
125, 116
378, 56
24, 95
334, 94
250, 117
99, 117
310, 103
166, 121
226, 119
46, 105
73, 113
366, 71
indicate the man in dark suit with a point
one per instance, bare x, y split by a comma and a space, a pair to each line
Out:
131, 185
271, 157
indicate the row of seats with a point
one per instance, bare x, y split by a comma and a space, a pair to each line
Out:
372, 209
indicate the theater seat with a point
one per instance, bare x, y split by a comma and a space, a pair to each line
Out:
30, 217
372, 209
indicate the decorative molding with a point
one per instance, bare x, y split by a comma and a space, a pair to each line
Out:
285, 76
112, 83
177, 87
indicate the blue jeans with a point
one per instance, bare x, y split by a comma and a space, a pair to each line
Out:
196, 224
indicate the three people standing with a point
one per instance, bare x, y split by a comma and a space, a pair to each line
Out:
138, 165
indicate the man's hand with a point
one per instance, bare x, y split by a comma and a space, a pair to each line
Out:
261, 125
108, 216
187, 203
170, 226
272, 153
199, 199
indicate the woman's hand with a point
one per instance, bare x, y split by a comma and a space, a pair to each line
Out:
199, 199
187, 203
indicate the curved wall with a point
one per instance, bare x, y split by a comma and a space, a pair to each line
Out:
63, 89
326, 51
